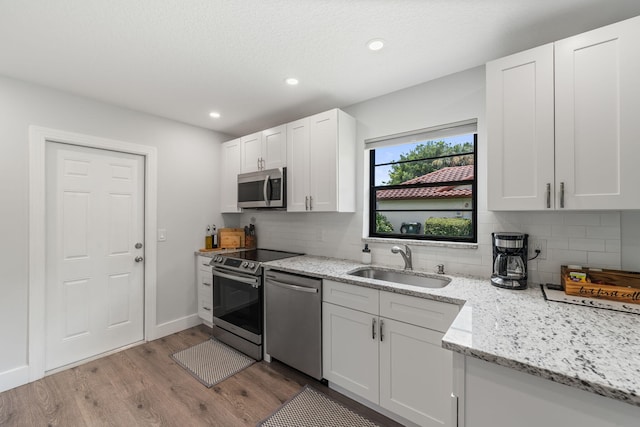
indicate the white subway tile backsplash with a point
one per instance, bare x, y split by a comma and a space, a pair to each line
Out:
612, 245
610, 219
569, 231
568, 256
584, 238
603, 260
582, 219
600, 232
587, 244
557, 243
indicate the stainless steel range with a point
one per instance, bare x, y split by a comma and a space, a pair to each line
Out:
238, 298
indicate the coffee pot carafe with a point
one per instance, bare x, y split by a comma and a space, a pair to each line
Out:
509, 260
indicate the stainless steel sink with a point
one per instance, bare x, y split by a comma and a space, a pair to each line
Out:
403, 277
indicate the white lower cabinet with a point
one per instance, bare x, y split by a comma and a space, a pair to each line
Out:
500, 396
204, 279
394, 362
415, 373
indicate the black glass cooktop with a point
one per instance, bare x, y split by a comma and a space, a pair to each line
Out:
261, 255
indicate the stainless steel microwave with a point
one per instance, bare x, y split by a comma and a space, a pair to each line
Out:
263, 189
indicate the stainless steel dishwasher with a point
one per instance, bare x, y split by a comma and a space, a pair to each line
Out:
293, 323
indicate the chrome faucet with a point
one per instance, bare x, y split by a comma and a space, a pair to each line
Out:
406, 256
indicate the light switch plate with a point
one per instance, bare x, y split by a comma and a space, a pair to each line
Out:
162, 234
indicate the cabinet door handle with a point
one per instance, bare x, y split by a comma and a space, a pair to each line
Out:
262, 161
258, 163
306, 203
548, 195
381, 333
373, 328
207, 308
206, 284
562, 194
310, 203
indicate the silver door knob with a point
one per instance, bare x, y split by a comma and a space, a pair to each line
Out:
139, 259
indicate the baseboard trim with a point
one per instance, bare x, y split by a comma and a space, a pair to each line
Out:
14, 378
173, 326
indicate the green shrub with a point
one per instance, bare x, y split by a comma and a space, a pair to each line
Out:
447, 227
382, 224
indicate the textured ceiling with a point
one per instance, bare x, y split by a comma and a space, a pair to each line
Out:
182, 59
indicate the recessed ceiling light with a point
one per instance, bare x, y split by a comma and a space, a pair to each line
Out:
375, 44
214, 114
291, 81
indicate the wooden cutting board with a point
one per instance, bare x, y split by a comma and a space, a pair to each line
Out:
231, 238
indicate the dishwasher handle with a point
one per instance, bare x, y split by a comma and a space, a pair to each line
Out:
292, 287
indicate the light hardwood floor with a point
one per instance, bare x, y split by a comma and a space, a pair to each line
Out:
143, 386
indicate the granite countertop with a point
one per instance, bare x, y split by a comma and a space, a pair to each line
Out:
592, 349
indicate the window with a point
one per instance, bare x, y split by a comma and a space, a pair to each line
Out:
423, 184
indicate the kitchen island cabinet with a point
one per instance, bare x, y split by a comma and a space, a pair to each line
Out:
321, 163
500, 396
386, 348
562, 125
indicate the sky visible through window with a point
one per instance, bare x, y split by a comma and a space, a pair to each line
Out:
392, 154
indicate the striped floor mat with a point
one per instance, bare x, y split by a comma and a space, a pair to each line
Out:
212, 361
310, 408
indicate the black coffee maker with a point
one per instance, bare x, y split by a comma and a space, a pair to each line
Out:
509, 260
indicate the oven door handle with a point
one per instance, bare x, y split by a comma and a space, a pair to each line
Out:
293, 287
249, 281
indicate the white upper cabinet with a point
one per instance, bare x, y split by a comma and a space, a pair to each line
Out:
229, 170
520, 130
266, 149
321, 163
562, 123
597, 95
297, 173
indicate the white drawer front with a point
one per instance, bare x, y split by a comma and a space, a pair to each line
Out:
203, 263
425, 313
351, 296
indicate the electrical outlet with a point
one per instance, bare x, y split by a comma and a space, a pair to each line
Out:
535, 245
320, 235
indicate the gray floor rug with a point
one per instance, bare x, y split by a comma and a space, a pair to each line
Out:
311, 408
212, 361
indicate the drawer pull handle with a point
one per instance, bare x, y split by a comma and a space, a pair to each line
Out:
207, 308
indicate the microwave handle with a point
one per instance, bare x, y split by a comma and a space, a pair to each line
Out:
265, 191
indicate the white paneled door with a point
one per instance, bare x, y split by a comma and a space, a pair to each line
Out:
94, 254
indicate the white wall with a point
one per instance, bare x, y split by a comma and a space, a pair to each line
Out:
187, 197
592, 238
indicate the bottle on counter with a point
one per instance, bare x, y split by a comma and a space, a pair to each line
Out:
214, 236
366, 254
208, 239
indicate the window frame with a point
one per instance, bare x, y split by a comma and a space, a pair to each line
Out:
421, 237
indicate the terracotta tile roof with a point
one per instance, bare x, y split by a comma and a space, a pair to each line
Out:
453, 173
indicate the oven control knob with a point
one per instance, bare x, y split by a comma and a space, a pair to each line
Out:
245, 264
252, 265
218, 259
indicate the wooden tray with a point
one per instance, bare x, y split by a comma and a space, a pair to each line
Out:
614, 285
